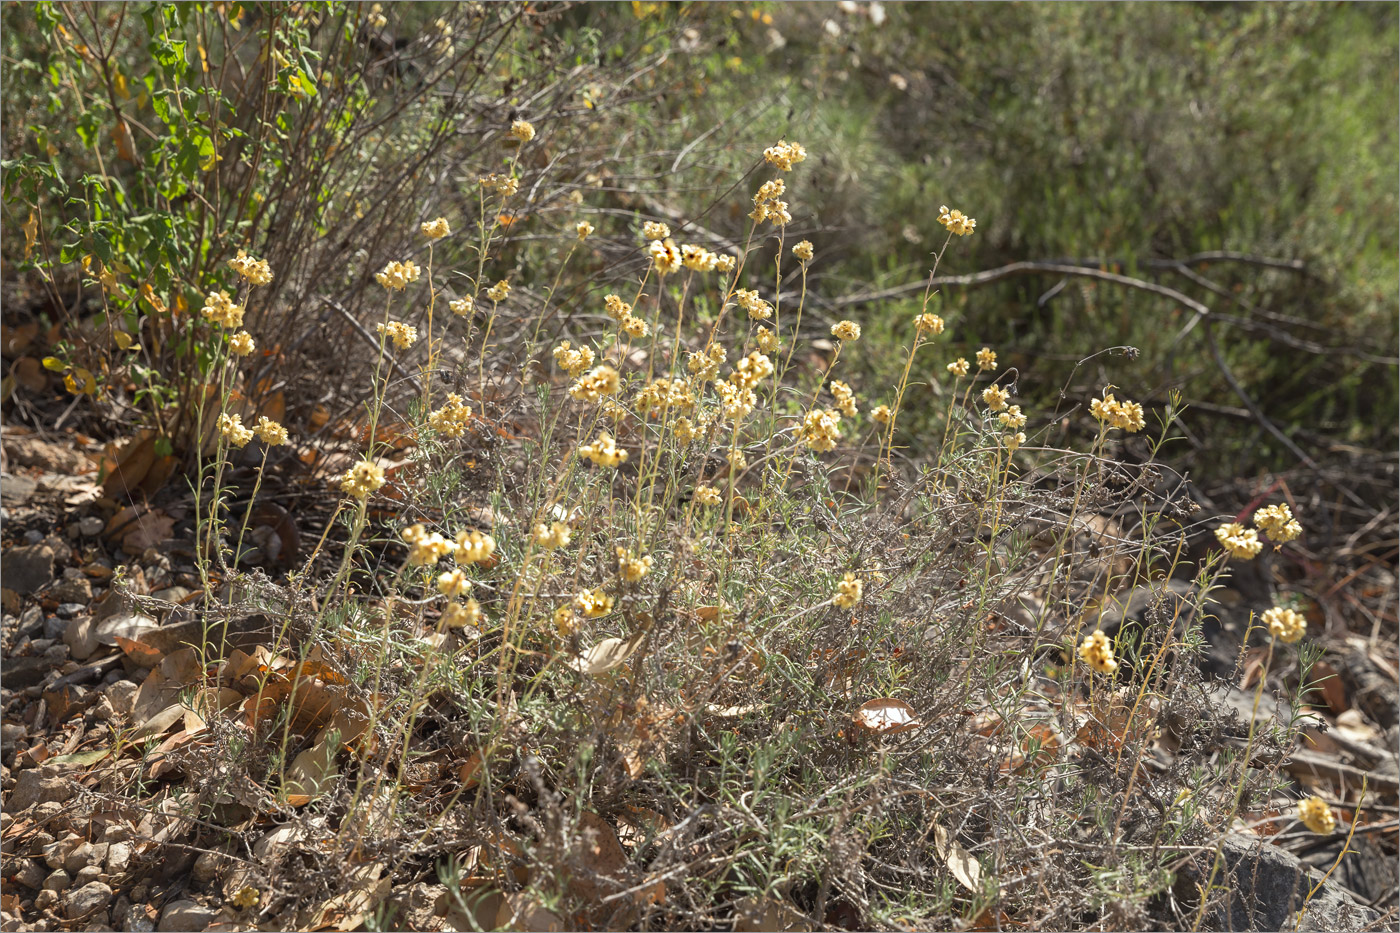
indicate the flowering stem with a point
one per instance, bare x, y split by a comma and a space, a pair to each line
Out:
257, 484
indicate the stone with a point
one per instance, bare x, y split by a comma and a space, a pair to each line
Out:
24, 673
56, 854
90, 525
208, 866
79, 857
135, 919
82, 903
56, 625
122, 695
185, 915
10, 734
58, 881
81, 637
56, 654
31, 874
118, 857
39, 785
45, 899
87, 875
73, 588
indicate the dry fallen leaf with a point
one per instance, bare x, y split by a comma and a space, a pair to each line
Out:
886, 717
966, 869
312, 773
606, 655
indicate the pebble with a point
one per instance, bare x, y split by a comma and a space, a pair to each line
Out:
31, 874
67, 611
122, 695
88, 875
135, 920
81, 637
58, 881
39, 785
10, 733
90, 525
45, 899
208, 866
118, 857
79, 857
82, 903
186, 915
55, 625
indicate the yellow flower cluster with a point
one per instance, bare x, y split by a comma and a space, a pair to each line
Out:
1013, 417
617, 308
705, 366
685, 431
1278, 523
573, 360
1285, 624
757, 308
1097, 652
845, 398
767, 341
222, 311
522, 130
565, 620
768, 204
461, 306
584, 229
846, 330
751, 370
707, 495
724, 263
255, 271
376, 18
995, 397
604, 451
362, 479
403, 335
270, 432
241, 344
635, 327
959, 367
803, 251
655, 230
425, 547
1014, 441
665, 256
600, 381
735, 402
1125, 415
1241, 542
986, 359
821, 429
881, 414
738, 462
785, 154
452, 418
473, 547
956, 222
458, 615
928, 324
507, 185
499, 292
631, 567
435, 229
593, 603
848, 591
698, 259
454, 583
1316, 815
663, 394
397, 275
551, 536
233, 431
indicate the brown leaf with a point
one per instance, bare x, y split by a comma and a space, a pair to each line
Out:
606, 655
886, 716
29, 374
966, 869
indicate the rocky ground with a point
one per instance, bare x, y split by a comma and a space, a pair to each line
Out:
91, 841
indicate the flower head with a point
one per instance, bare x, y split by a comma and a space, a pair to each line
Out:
452, 419
462, 615
403, 335
461, 306
785, 155
1097, 652
362, 479
573, 360
1317, 815
995, 397
241, 344
220, 309
1285, 624
928, 324
655, 230
767, 341
956, 222
584, 229
1241, 542
708, 495
270, 432
522, 130
233, 431
551, 536
1014, 441
1278, 523
986, 359
1013, 417
454, 583
425, 547
499, 291
959, 367
845, 398
881, 414
255, 271
473, 547
599, 382
665, 255
507, 185
604, 451
803, 251
821, 429
631, 567
757, 308
396, 275
846, 330
435, 229
593, 603
849, 591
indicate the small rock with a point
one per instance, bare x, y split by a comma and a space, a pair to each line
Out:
56, 654
186, 915
116, 832
38, 844
39, 785
208, 866
73, 588
88, 875
135, 919
45, 899
69, 610
122, 695
10, 734
31, 874
33, 536
58, 881
172, 594
62, 553
30, 620
79, 857
118, 857
82, 903
57, 853
81, 637
90, 525
102, 710
55, 625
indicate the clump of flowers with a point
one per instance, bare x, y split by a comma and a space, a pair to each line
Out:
631, 567
362, 479
507, 185
1097, 652
454, 583
705, 366
617, 308
707, 495
959, 367
270, 432
956, 222
425, 547
1316, 815
256, 271
599, 382
241, 344
635, 327
1125, 415
768, 204
473, 547
551, 536
499, 292
403, 335
665, 256
584, 229
452, 418
461, 306
220, 309
738, 461
376, 18
1013, 417
821, 429
803, 251
986, 359
396, 275
573, 360
928, 324
995, 397
1285, 624
846, 330
1014, 441
462, 615
735, 402
233, 431
435, 229
655, 230
848, 591
685, 431
604, 451
785, 155
845, 398
881, 414
1278, 523
593, 604
767, 341
522, 130
698, 259
757, 308
665, 393
1241, 542
724, 263
752, 370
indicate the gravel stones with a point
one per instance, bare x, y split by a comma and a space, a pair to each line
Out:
27, 568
